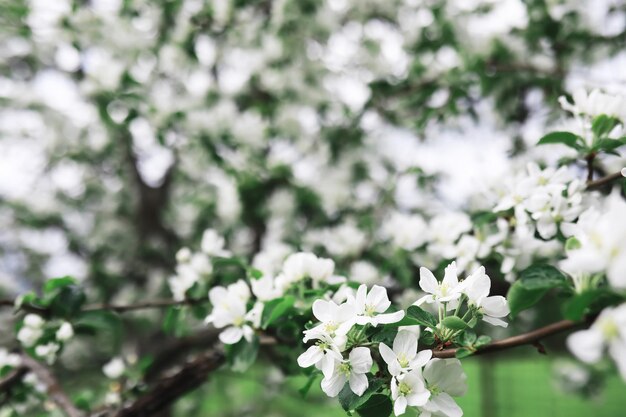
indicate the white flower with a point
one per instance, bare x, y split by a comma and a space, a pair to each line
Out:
476, 287
324, 354
183, 255
33, 321
229, 311
593, 104
353, 371
336, 320
65, 332
408, 389
305, 264
601, 234
213, 244
607, 332
114, 368
364, 272
112, 398
265, 288
405, 231
9, 359
31, 330
48, 351
445, 292
370, 306
404, 356
445, 379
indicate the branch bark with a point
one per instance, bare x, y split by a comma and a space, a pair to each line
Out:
54, 389
599, 183
167, 390
530, 338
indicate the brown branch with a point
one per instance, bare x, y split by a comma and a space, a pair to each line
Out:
530, 338
601, 182
54, 389
167, 390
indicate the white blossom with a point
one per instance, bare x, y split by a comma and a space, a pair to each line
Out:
444, 379
65, 332
353, 370
115, 368
48, 351
408, 389
336, 320
324, 354
404, 356
477, 287
371, 306
213, 244
608, 332
445, 292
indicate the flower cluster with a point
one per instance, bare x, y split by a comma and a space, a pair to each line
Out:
46, 338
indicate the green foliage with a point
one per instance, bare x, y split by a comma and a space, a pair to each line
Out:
565, 138
533, 283
276, 309
350, 401
422, 317
242, 354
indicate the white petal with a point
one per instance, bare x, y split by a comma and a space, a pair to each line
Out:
428, 282
333, 385
495, 321
421, 359
323, 310
417, 399
388, 355
361, 360
231, 335
399, 406
406, 343
361, 295
378, 298
310, 357
390, 317
328, 364
451, 276
446, 405
586, 345
495, 306
358, 383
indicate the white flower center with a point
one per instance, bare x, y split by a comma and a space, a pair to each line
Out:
404, 388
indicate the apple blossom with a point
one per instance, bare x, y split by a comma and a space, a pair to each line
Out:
445, 292
607, 332
336, 320
444, 379
404, 356
353, 370
324, 354
476, 287
370, 306
65, 332
408, 389
115, 368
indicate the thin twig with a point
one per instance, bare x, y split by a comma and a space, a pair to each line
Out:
529, 338
601, 182
54, 389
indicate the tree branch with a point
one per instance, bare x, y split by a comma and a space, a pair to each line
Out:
601, 182
529, 338
54, 389
169, 389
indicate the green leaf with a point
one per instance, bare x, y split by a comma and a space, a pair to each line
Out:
589, 301
572, 244
350, 401
54, 284
274, 309
468, 338
463, 352
427, 339
565, 138
242, 354
607, 145
378, 405
101, 322
482, 341
172, 320
67, 301
521, 298
422, 317
603, 124
542, 276
454, 323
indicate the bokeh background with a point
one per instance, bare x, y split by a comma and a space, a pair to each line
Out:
127, 127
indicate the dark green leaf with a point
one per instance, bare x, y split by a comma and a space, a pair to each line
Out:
607, 145
542, 276
67, 301
378, 405
589, 302
521, 298
54, 284
565, 138
427, 339
454, 323
468, 338
275, 309
603, 124
422, 317
350, 401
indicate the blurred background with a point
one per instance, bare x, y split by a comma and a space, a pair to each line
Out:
128, 127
